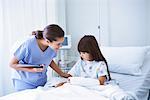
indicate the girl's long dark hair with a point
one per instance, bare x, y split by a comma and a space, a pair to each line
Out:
89, 44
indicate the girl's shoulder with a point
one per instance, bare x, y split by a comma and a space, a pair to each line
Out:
79, 60
101, 63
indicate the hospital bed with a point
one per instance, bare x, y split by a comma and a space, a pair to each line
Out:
132, 74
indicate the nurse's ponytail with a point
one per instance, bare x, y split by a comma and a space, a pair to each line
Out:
38, 34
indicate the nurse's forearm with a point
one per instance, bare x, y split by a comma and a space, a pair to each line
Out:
19, 67
14, 63
24, 68
56, 68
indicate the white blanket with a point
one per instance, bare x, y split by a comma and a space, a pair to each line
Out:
76, 92
30, 94
77, 89
111, 91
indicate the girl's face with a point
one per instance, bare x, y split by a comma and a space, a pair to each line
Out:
56, 44
85, 56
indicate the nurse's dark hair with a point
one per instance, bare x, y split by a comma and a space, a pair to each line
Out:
89, 44
50, 32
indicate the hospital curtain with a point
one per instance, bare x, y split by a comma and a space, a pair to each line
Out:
18, 18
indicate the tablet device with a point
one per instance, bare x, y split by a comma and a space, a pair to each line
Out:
30, 66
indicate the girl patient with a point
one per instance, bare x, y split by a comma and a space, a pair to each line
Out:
92, 63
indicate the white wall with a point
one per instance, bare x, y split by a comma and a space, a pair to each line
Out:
1, 31
148, 26
56, 12
82, 17
128, 22
123, 22
104, 22
61, 13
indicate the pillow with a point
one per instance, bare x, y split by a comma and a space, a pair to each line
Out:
125, 60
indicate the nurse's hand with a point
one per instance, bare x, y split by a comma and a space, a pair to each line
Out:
38, 69
66, 75
60, 84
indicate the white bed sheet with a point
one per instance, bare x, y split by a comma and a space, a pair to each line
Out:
75, 91
60, 93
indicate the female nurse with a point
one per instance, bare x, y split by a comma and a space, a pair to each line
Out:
40, 49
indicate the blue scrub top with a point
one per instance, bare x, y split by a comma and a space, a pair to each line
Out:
30, 53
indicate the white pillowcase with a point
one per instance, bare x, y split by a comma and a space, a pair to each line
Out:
126, 60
